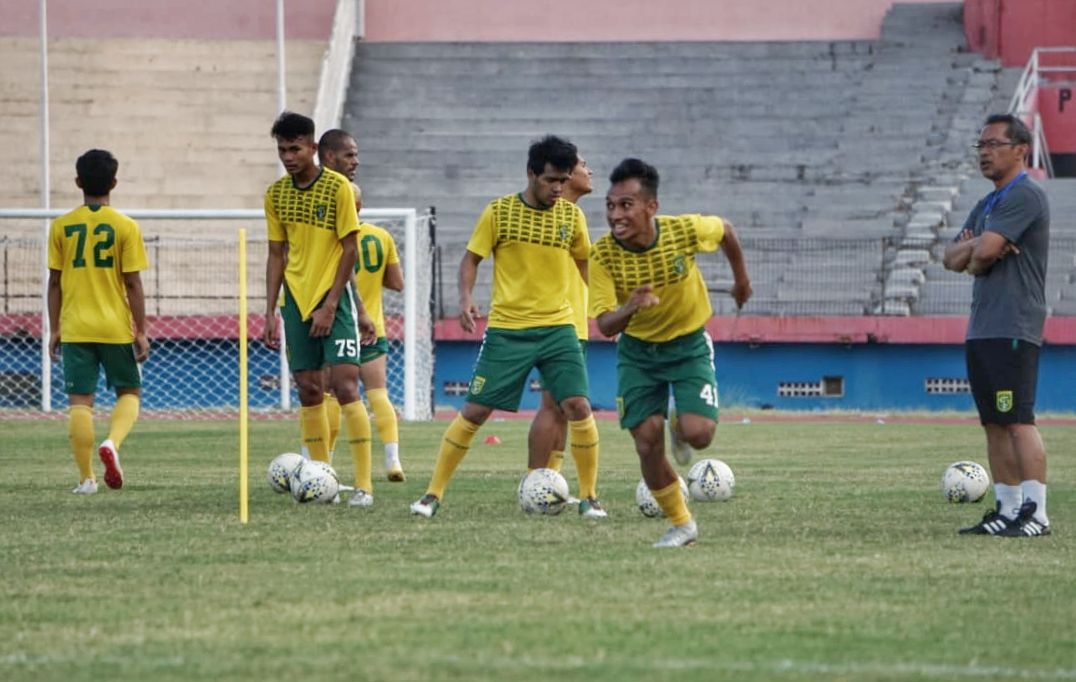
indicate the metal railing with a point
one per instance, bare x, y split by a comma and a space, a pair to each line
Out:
1024, 102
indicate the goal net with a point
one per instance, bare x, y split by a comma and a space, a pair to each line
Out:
192, 303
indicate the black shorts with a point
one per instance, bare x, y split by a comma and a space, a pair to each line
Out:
1003, 374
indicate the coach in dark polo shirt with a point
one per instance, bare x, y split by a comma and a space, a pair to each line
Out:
1004, 245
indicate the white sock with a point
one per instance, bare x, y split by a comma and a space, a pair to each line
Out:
392, 455
1010, 498
1036, 492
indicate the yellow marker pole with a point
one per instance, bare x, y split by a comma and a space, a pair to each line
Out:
244, 513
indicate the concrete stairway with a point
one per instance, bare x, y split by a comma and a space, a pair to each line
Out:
188, 120
795, 143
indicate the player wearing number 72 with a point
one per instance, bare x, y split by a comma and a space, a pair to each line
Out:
645, 286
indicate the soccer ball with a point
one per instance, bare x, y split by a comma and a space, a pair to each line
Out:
644, 499
314, 481
710, 480
281, 469
965, 482
543, 491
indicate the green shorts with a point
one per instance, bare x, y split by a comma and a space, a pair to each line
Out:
82, 363
340, 347
582, 347
374, 350
645, 371
507, 356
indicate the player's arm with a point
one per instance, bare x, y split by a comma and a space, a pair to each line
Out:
321, 320
54, 295
274, 277
136, 299
393, 278
958, 252
468, 274
741, 283
613, 322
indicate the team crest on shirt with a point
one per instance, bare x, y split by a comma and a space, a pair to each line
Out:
321, 210
679, 265
476, 384
1003, 401
564, 232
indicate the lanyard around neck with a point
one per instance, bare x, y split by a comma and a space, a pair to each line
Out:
995, 197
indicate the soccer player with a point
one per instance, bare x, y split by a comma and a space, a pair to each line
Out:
97, 314
549, 429
534, 236
1004, 245
312, 226
377, 267
645, 286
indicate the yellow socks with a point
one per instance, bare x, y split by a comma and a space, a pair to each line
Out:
584, 435
124, 415
671, 500
556, 460
358, 441
332, 413
80, 433
314, 427
454, 446
384, 415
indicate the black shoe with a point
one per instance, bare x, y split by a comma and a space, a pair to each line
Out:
993, 523
1025, 525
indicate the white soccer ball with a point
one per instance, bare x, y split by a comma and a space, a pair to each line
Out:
543, 491
965, 482
710, 480
281, 469
644, 499
314, 481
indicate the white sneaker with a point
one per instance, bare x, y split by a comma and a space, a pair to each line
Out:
427, 506
393, 470
87, 487
360, 498
679, 536
110, 457
681, 450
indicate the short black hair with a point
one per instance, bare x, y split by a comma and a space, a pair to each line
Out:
554, 151
291, 126
642, 171
333, 140
1017, 131
96, 171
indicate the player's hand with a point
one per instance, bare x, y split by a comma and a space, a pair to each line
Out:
367, 330
964, 235
321, 321
643, 297
271, 333
469, 313
741, 292
1009, 248
141, 348
54, 345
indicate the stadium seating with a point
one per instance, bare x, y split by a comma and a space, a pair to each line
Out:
800, 144
181, 116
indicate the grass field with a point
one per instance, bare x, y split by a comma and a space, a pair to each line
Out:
836, 560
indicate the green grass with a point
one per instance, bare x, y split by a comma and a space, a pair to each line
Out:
836, 560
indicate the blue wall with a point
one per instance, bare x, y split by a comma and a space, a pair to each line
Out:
876, 376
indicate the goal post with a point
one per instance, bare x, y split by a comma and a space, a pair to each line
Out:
192, 303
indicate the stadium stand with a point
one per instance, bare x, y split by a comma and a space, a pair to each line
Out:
803, 145
179, 115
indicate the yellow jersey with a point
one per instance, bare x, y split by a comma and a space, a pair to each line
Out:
377, 251
668, 265
312, 220
577, 298
534, 253
92, 247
